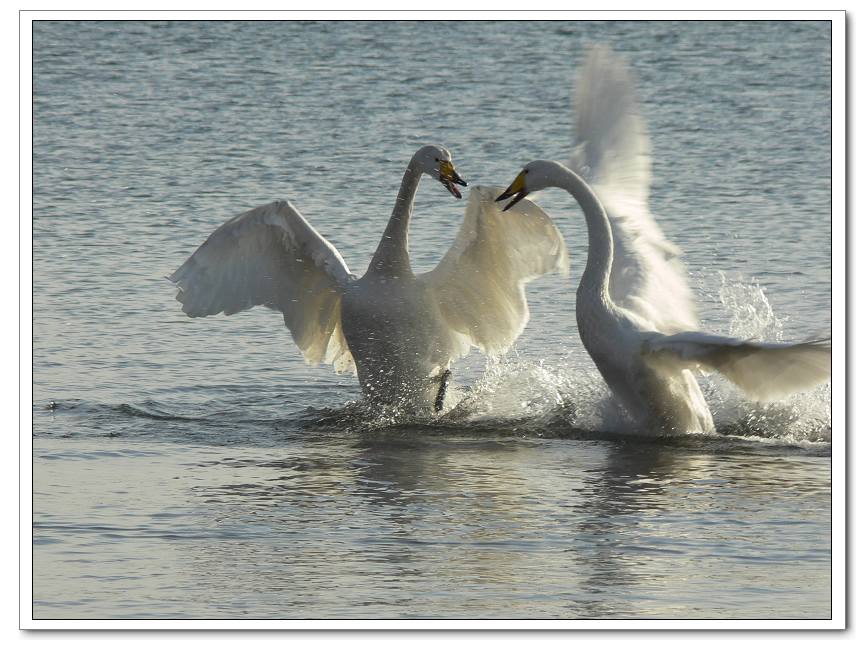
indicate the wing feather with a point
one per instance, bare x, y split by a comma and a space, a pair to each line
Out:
612, 152
272, 256
764, 371
480, 283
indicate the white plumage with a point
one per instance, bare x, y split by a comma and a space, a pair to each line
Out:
764, 371
479, 284
272, 256
399, 331
612, 152
635, 312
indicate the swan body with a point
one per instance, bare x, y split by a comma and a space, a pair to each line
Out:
648, 370
399, 331
399, 341
635, 310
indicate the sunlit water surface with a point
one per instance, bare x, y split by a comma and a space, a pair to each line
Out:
198, 469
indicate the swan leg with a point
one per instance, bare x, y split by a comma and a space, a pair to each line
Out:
443, 386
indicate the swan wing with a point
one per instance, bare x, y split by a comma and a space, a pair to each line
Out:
272, 256
612, 153
764, 371
479, 285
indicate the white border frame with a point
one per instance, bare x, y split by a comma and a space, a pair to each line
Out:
839, 312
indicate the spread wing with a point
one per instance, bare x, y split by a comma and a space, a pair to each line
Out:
612, 153
479, 284
764, 371
272, 256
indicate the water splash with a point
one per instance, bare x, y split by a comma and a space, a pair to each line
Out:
543, 397
803, 417
746, 308
548, 398
561, 396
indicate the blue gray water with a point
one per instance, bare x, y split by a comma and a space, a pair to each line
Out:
199, 469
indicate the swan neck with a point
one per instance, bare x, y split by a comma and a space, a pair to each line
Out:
391, 256
596, 278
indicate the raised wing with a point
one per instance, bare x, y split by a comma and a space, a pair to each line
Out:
271, 256
612, 153
480, 283
764, 371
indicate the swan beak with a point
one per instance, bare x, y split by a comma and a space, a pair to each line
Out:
450, 179
517, 189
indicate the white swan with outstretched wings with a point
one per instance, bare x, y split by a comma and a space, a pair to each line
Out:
398, 331
634, 309
649, 370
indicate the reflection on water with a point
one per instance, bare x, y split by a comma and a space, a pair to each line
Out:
390, 526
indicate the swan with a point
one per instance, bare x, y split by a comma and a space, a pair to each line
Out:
635, 312
647, 369
397, 330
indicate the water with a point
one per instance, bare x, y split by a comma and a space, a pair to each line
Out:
199, 469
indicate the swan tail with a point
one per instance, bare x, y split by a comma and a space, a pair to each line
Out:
765, 372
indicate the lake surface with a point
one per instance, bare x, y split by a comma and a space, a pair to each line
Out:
197, 468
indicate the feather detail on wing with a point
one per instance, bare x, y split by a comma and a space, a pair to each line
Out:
612, 153
480, 283
764, 371
272, 256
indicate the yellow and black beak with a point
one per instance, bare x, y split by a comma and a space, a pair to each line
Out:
450, 179
517, 189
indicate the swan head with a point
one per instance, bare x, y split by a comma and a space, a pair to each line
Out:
438, 163
535, 176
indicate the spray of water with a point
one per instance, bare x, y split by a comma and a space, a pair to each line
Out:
552, 397
804, 417
563, 395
